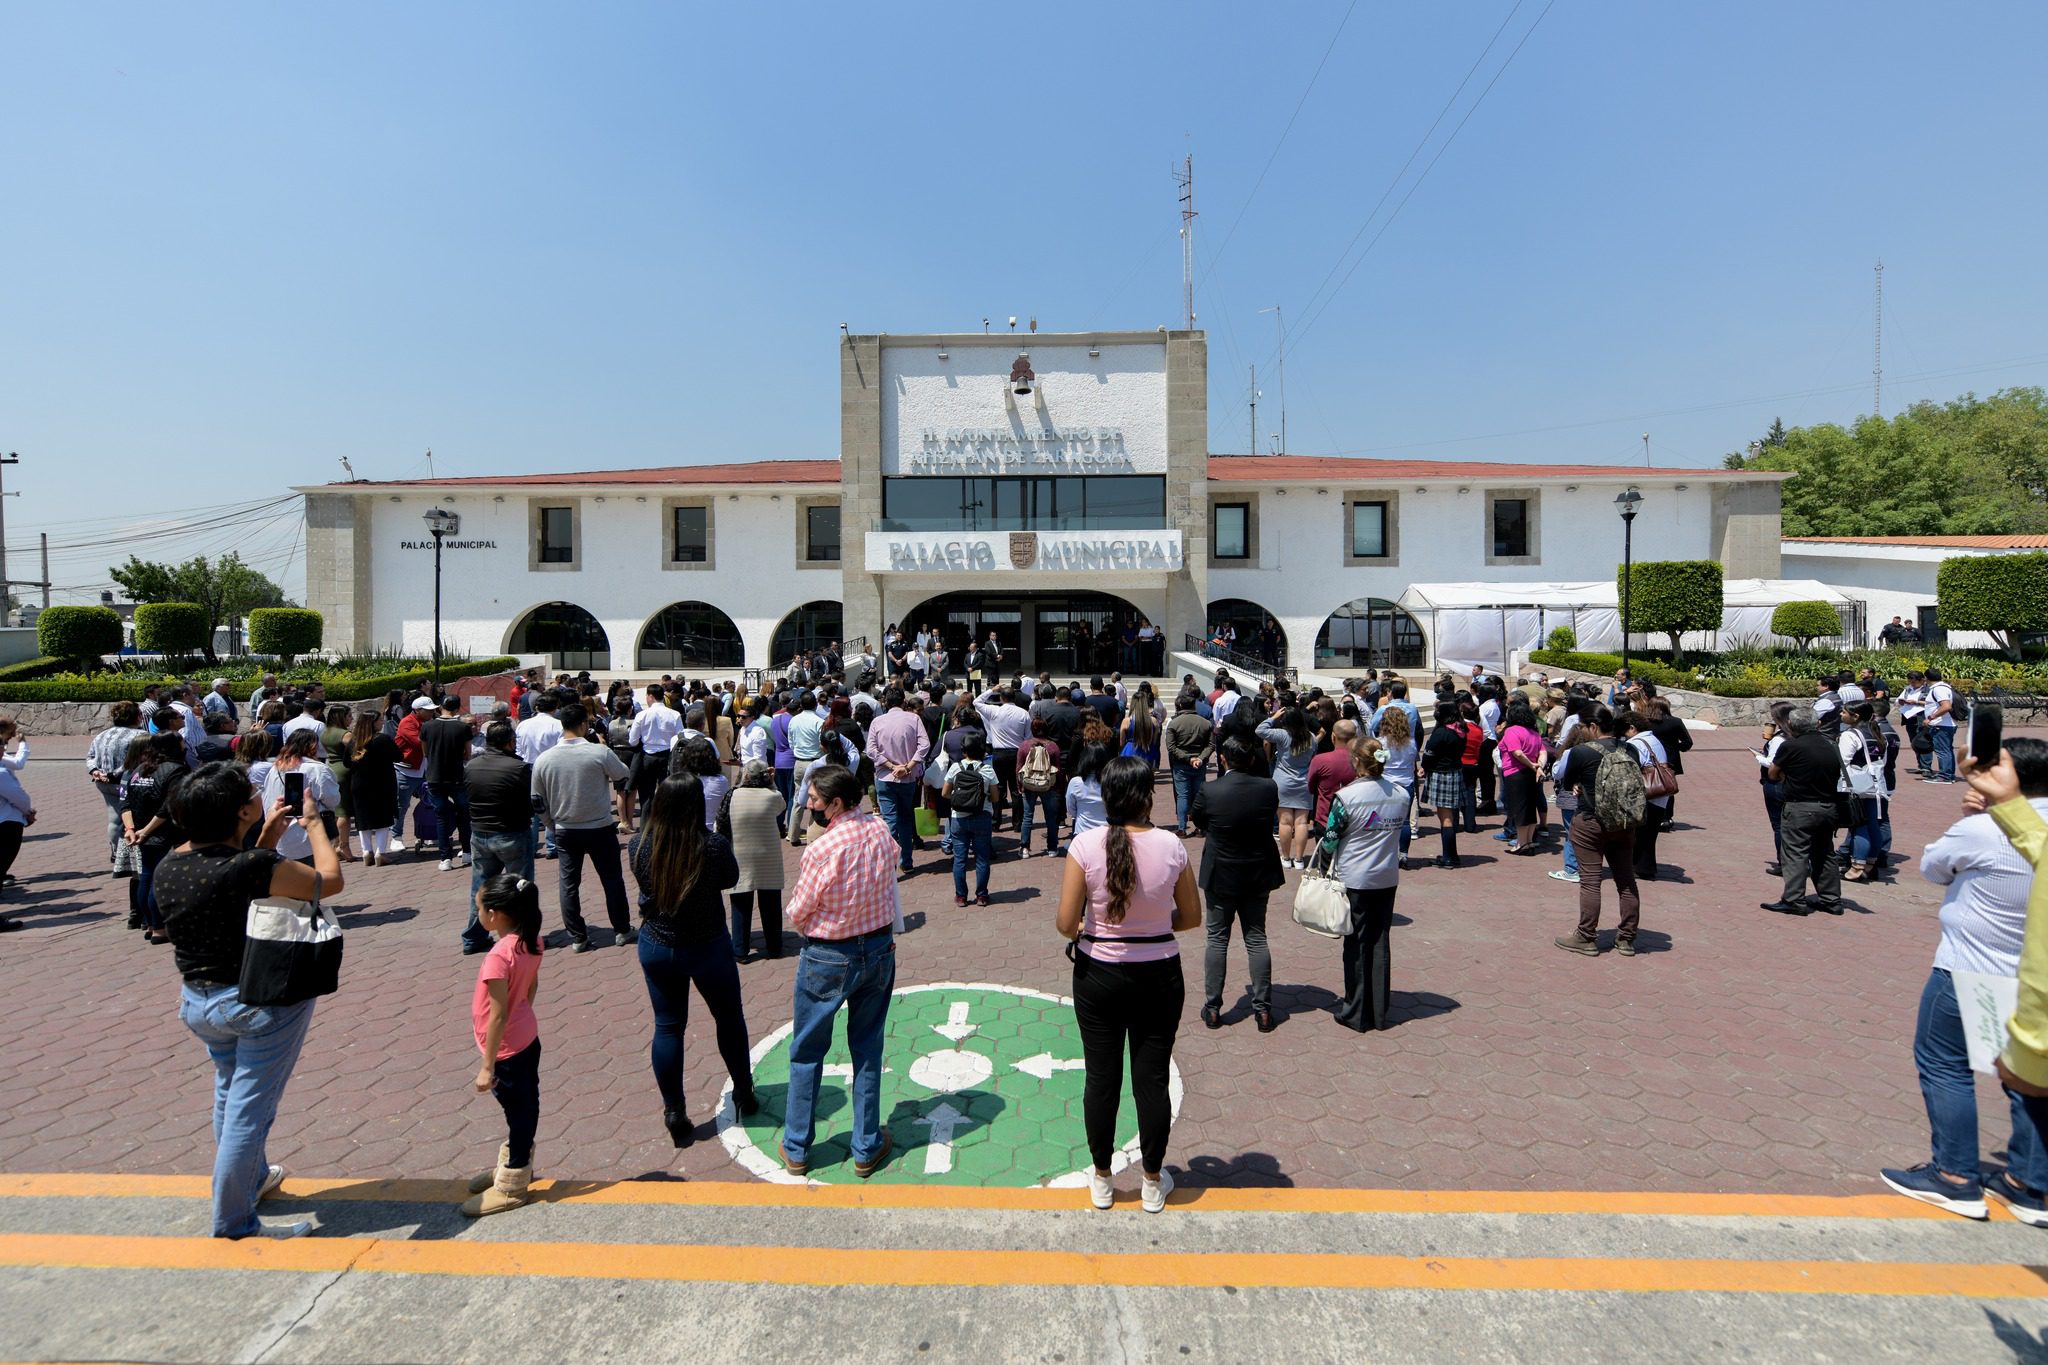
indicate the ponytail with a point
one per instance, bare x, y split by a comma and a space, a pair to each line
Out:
1122, 866
519, 898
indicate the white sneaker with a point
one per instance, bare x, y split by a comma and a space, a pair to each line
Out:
447, 864
272, 1179
1023, 853
1558, 874
1152, 1194
280, 1232
462, 860
1100, 1193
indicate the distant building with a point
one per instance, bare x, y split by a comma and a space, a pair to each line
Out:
1894, 575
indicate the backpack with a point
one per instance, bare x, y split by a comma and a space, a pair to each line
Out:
1037, 774
1618, 795
970, 791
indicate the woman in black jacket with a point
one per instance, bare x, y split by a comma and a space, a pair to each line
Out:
1671, 732
1443, 779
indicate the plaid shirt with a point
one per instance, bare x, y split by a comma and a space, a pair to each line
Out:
847, 886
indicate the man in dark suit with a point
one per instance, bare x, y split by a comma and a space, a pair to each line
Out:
1240, 869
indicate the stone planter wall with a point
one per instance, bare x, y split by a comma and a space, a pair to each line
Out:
58, 717
1727, 712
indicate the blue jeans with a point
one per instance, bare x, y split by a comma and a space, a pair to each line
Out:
898, 801
1950, 1089
1187, 780
858, 973
785, 784
253, 1049
1054, 804
489, 855
539, 837
1864, 839
1468, 801
1407, 790
451, 812
408, 787
670, 970
1944, 750
1571, 853
1774, 807
979, 831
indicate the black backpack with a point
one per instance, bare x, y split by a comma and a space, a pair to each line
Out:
970, 791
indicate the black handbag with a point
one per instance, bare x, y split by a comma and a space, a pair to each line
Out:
292, 952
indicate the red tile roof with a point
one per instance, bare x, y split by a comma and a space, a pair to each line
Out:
1339, 468
1936, 542
749, 471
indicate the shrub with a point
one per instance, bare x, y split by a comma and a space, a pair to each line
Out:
2002, 595
1805, 622
1671, 597
31, 668
79, 632
342, 685
170, 627
1664, 675
284, 631
1563, 639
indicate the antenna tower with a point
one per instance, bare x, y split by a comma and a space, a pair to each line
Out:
1255, 410
1877, 368
1184, 176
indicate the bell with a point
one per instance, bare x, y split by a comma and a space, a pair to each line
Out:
1023, 387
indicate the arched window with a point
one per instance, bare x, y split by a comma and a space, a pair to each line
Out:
806, 630
566, 633
1371, 632
690, 635
1257, 631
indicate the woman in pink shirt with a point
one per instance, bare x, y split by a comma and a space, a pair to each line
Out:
1128, 890
1522, 754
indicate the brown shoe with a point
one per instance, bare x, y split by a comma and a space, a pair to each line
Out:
1585, 946
864, 1169
793, 1167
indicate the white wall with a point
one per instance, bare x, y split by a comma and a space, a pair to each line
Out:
1892, 580
620, 579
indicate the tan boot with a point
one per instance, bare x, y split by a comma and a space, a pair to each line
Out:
483, 1180
508, 1191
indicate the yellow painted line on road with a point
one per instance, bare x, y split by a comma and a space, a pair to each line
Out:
851, 1266
763, 1194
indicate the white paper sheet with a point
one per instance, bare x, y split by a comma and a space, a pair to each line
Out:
1987, 1003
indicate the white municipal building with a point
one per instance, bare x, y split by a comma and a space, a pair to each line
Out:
1026, 485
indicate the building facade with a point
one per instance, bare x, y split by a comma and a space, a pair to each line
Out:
1056, 491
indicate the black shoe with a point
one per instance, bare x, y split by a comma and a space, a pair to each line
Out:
1825, 907
1212, 1016
680, 1131
747, 1102
1787, 907
472, 949
1775, 870
581, 945
8, 926
135, 921
1264, 1018
1666, 827
625, 938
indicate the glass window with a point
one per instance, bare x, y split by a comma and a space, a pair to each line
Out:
921, 504
807, 630
557, 535
691, 635
1510, 528
821, 534
1231, 536
1125, 501
693, 535
1368, 530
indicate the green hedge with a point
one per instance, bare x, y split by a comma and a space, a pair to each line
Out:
170, 627
2001, 594
32, 668
78, 632
1758, 673
1671, 597
1562, 638
1805, 621
1664, 675
285, 631
341, 685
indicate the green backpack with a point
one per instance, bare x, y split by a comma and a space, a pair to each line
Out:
1619, 798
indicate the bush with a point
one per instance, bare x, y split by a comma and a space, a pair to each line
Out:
284, 631
2003, 595
32, 668
1671, 597
342, 685
79, 632
1805, 622
1563, 639
170, 627
1664, 675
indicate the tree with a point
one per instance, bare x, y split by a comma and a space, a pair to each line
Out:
79, 633
285, 631
2002, 595
170, 627
225, 589
1805, 622
1671, 597
1775, 437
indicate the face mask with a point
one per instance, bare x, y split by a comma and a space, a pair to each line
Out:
821, 817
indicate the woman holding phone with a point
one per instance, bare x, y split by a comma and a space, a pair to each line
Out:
296, 777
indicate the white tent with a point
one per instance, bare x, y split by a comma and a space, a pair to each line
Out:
1473, 623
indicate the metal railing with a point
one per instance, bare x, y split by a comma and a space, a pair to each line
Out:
1280, 675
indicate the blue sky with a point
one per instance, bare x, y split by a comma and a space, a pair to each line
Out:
242, 241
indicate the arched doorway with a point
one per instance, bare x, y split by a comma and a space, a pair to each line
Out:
569, 636
806, 630
1371, 632
690, 635
1258, 632
1073, 633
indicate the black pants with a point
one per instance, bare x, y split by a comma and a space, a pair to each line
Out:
1005, 761
1368, 960
1646, 844
743, 921
517, 1090
1250, 915
1120, 1004
1487, 775
601, 846
10, 845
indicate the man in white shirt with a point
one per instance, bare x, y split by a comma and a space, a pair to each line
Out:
1941, 725
1226, 702
652, 734
534, 737
1009, 725
308, 719
1913, 715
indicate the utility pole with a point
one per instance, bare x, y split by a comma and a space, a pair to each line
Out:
1280, 327
6, 585
46, 570
1646, 450
1254, 446
1184, 176
1877, 351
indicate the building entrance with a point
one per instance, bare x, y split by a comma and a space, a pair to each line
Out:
1073, 634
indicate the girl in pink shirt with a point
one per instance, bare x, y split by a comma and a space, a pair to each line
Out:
508, 1035
1127, 891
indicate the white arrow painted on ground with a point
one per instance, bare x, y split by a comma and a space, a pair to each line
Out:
956, 1026
1044, 1064
938, 1152
843, 1071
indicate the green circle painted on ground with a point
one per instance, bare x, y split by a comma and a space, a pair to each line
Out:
981, 1086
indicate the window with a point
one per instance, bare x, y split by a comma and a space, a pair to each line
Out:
1231, 536
1032, 503
1368, 530
558, 535
692, 534
821, 534
1510, 528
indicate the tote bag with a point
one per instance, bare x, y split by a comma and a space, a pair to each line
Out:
293, 952
1321, 905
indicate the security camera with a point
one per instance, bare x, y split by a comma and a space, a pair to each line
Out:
842, 329
1013, 322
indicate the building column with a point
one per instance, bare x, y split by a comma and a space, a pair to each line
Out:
338, 569
1187, 483
860, 484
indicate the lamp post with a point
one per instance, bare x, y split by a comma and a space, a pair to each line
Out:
440, 522
1626, 502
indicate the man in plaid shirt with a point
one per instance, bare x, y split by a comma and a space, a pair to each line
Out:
844, 904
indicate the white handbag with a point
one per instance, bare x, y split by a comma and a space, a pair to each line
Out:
1321, 904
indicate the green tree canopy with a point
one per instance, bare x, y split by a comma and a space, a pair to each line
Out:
1671, 597
225, 589
1805, 622
2004, 595
1971, 466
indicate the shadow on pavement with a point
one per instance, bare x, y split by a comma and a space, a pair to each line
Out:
355, 916
2016, 1336
1249, 1170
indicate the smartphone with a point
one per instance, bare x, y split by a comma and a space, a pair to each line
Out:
1987, 731
294, 792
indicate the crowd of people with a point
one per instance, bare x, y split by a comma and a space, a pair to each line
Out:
695, 788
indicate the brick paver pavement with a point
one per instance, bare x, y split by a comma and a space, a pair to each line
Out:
1739, 1051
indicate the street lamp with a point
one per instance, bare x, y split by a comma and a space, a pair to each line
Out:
440, 522
1627, 503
